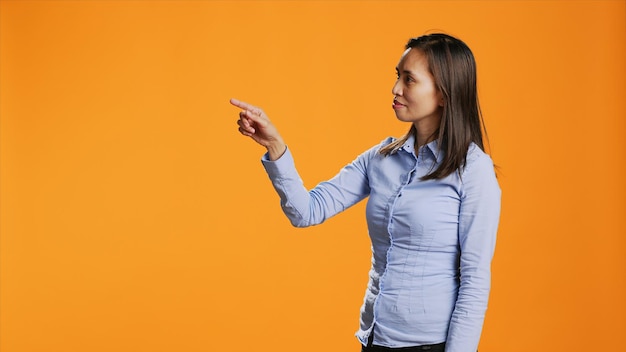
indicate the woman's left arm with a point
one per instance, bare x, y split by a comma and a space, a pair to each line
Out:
478, 224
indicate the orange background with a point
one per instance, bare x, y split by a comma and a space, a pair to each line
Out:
134, 217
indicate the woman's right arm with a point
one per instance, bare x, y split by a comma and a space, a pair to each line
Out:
301, 206
311, 207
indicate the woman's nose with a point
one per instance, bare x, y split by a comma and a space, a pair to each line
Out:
396, 89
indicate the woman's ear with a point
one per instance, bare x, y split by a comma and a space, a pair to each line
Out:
440, 97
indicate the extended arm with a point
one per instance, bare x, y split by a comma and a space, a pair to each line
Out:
302, 207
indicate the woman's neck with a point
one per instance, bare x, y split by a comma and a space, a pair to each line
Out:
423, 138
425, 131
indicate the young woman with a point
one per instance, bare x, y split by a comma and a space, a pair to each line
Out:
433, 207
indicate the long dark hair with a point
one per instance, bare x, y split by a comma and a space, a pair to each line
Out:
453, 67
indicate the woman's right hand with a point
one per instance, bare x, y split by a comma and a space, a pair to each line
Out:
254, 123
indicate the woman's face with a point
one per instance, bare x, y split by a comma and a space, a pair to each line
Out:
416, 98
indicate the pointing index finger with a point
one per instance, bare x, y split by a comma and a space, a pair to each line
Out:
245, 106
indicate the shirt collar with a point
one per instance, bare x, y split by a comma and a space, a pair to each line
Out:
429, 150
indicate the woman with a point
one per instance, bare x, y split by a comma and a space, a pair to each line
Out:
433, 208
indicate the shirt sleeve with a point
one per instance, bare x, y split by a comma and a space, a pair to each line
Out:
478, 223
311, 207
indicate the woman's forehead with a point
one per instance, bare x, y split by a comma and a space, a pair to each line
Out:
413, 60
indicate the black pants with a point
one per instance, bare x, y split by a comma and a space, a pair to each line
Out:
440, 347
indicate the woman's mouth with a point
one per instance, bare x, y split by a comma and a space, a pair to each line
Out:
396, 105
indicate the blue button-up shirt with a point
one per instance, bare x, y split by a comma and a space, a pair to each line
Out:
432, 241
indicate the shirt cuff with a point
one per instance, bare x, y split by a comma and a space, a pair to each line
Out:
280, 166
